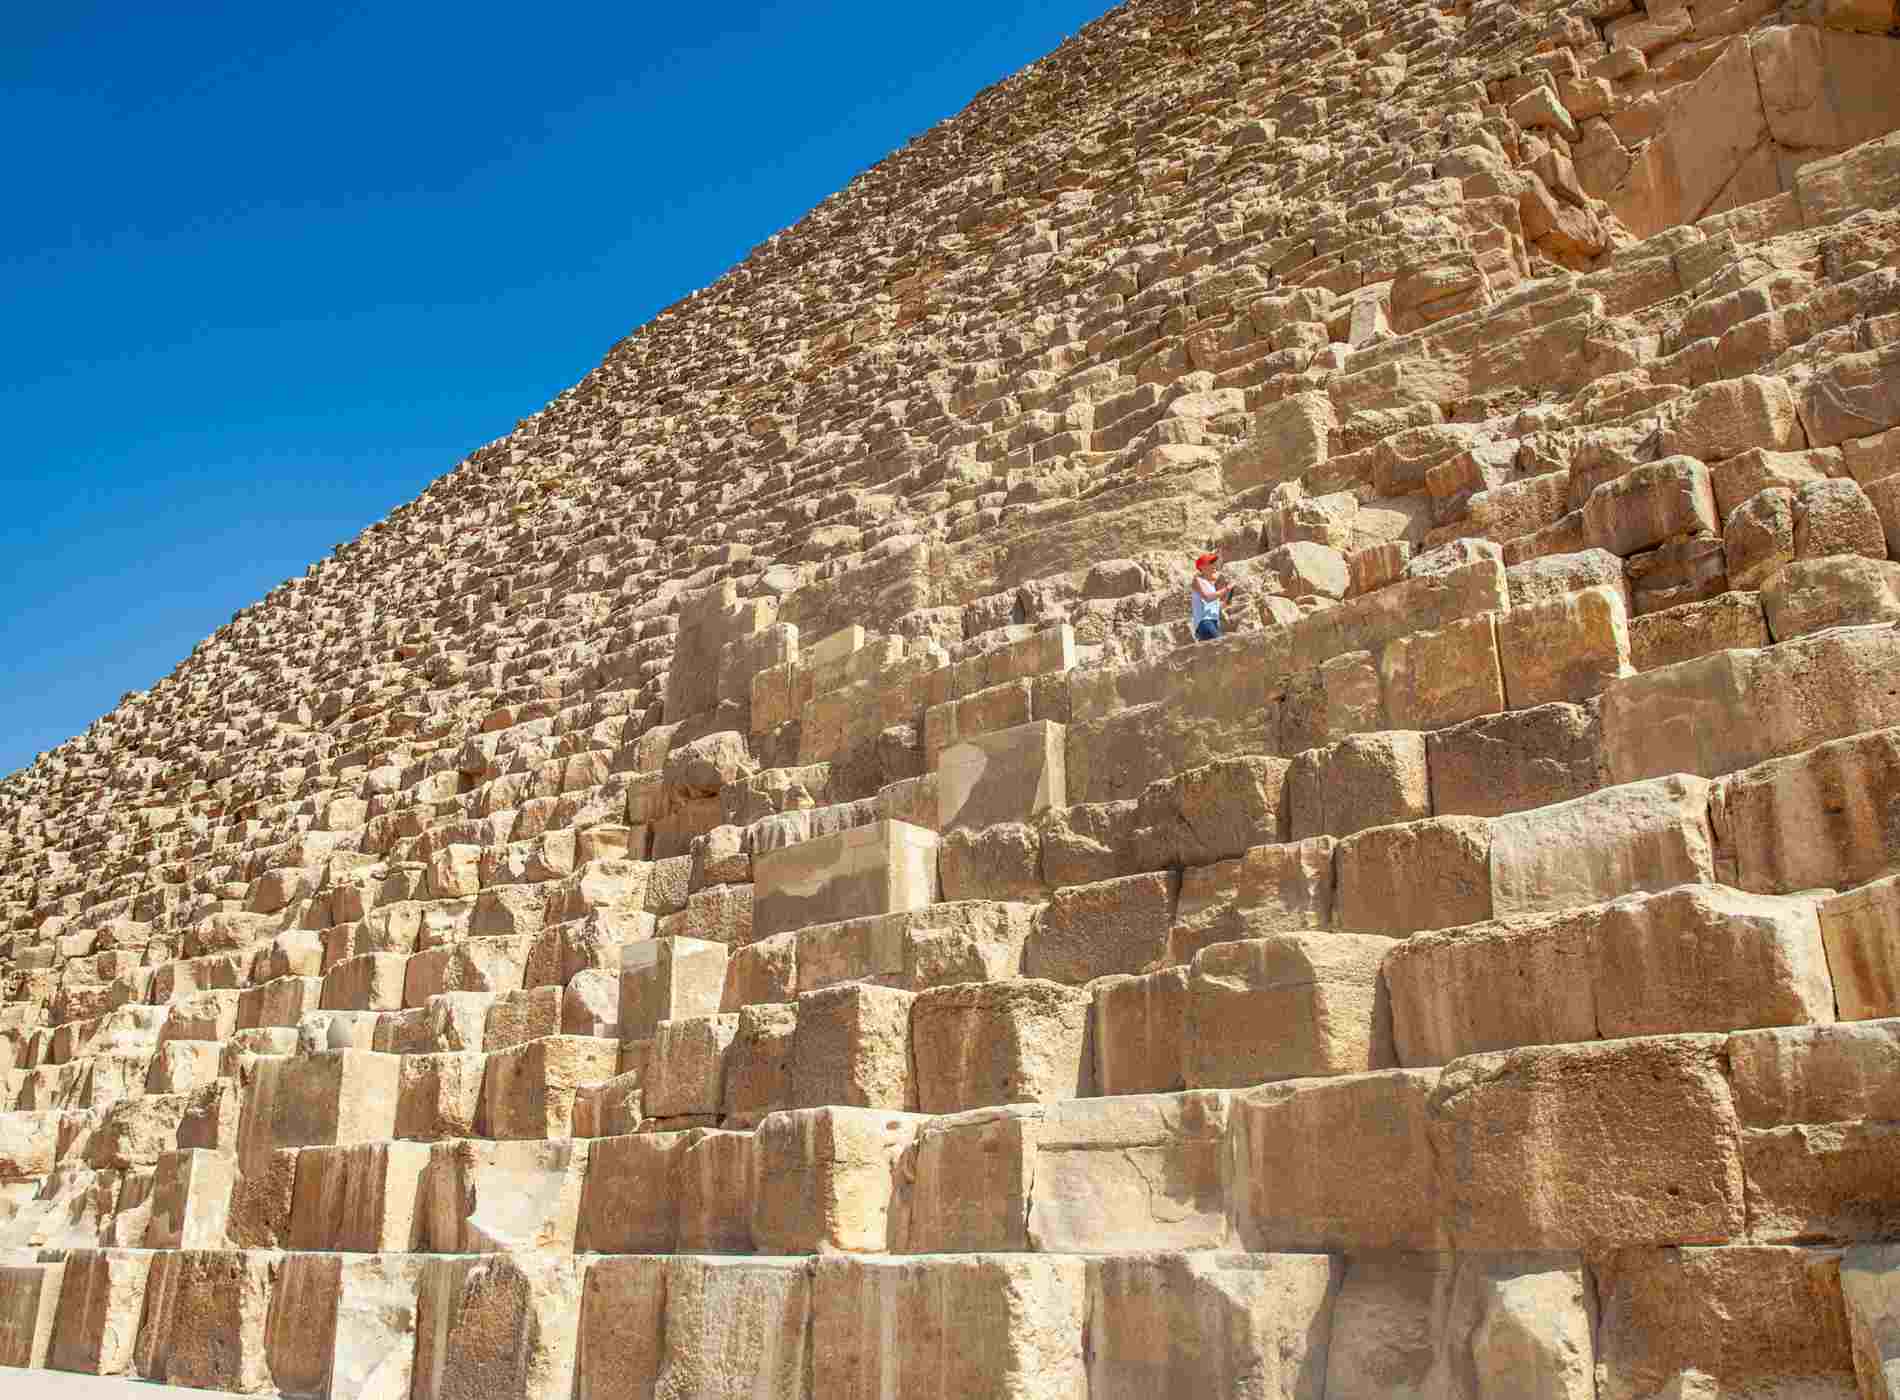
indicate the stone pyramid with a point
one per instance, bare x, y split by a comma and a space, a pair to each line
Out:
749, 887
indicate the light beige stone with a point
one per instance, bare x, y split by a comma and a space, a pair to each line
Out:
1288, 1006
875, 869
1861, 929
502, 1325
1010, 775
825, 1179
982, 1043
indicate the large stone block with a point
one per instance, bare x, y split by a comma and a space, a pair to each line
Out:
1394, 880
1564, 650
630, 1203
1869, 1275
686, 1066
1649, 505
1363, 780
981, 1043
1640, 836
101, 1300
1102, 928
1839, 590
487, 1196
1715, 714
440, 1096
498, 1327
207, 1315
1463, 1326
725, 1329
966, 1183
1829, 817
343, 1326
1735, 1321
1695, 958
1134, 1173
1137, 1030
946, 1326
1246, 1326
1818, 1107
365, 1198
29, 1305
1289, 1192
1590, 1146
1288, 1006
851, 1048
1010, 775
1861, 929
1515, 761
191, 1200
668, 979
1430, 680
825, 1179
875, 869
528, 1090
326, 1099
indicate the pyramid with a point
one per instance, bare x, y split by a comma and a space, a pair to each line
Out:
751, 886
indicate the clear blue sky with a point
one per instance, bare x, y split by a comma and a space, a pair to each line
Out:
267, 270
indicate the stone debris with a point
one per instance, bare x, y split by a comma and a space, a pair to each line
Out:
747, 886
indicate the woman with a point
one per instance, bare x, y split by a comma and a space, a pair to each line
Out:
1206, 595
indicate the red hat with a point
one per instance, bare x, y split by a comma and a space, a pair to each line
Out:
1206, 559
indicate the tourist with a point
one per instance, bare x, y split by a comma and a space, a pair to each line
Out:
1207, 595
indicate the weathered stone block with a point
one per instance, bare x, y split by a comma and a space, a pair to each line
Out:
982, 1043
873, 869
1288, 1006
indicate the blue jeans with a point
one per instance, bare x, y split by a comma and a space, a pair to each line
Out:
1208, 630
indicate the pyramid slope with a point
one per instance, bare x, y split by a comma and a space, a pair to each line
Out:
749, 884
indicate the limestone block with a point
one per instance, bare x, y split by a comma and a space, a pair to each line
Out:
1861, 929
514, 1018
499, 1327
851, 1048
631, 1201
1000, 862
1716, 714
365, 1198
1430, 680
969, 1182
343, 1325
1835, 517
982, 1043
1639, 836
439, 1096
1601, 1145
29, 1305
1730, 1321
1695, 958
1286, 440
206, 1320
1103, 928
1342, 695
1758, 537
1884, 495
101, 1299
1253, 1327
590, 1005
1650, 504
1302, 568
1395, 880
1288, 1006
1213, 812
1137, 1027
191, 1200
1731, 416
1823, 818
687, 1065
485, 1196
1565, 649
716, 1173
29, 1142
1468, 1326
761, 972
528, 1090
1008, 775
759, 1064
1852, 396
1361, 781
1873, 1316
473, 965
725, 1329
1515, 761
260, 1202
825, 1179
668, 979
873, 869
329, 1098
1841, 590
1290, 1193
1138, 1172
949, 1325
1818, 1108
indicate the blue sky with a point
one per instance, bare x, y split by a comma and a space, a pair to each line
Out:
267, 270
